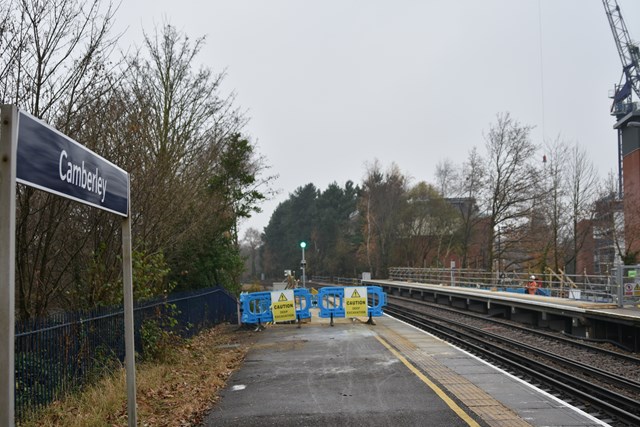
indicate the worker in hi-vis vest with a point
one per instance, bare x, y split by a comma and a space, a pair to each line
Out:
532, 286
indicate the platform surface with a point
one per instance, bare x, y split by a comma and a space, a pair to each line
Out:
388, 374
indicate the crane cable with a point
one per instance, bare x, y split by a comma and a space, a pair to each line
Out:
541, 67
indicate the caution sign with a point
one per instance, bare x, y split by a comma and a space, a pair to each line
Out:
355, 301
283, 306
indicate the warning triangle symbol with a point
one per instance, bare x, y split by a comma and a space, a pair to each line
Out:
282, 298
355, 294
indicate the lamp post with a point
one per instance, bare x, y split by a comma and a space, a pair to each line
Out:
303, 264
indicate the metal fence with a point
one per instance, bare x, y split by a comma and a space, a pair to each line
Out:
596, 288
337, 280
63, 352
629, 277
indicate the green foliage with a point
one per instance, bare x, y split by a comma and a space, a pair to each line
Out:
429, 227
211, 255
210, 259
92, 288
323, 220
157, 333
235, 179
150, 275
630, 257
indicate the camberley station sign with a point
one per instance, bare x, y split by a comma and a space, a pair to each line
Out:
50, 161
35, 154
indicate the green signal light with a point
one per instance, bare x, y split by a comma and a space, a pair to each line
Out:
303, 245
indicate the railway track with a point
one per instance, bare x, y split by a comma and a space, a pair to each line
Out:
609, 396
624, 357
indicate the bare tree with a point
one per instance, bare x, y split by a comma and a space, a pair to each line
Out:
554, 201
512, 178
446, 176
53, 64
428, 223
470, 183
583, 190
182, 124
252, 241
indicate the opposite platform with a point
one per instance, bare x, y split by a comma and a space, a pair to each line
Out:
386, 374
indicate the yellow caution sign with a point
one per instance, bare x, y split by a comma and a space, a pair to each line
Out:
283, 306
355, 301
314, 291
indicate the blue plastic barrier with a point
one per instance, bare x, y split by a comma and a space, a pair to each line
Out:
302, 295
377, 299
331, 301
256, 306
539, 291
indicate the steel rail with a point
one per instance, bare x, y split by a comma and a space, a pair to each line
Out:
564, 339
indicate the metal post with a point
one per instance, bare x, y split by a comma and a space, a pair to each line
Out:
127, 283
453, 273
8, 145
620, 284
620, 161
304, 265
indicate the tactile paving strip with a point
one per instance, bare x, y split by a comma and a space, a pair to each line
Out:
477, 400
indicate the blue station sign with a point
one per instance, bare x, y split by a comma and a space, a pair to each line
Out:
53, 162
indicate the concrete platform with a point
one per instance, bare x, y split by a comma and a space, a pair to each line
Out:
354, 374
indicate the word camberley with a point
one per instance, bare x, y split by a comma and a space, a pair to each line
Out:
79, 176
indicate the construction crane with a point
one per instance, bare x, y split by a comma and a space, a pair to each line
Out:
629, 56
623, 103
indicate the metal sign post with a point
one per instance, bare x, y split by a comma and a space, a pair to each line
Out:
303, 265
8, 139
129, 343
37, 155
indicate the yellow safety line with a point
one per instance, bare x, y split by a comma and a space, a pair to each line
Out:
453, 405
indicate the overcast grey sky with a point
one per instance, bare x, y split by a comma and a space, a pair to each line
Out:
331, 85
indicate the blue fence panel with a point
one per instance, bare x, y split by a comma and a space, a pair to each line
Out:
303, 303
331, 302
256, 306
539, 291
376, 299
